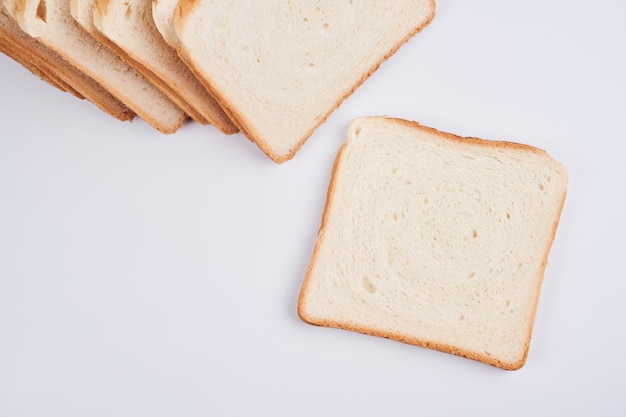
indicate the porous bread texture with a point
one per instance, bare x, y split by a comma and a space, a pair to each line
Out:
49, 65
163, 14
129, 25
50, 22
435, 240
280, 69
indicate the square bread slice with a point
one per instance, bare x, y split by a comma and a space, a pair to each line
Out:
435, 240
280, 68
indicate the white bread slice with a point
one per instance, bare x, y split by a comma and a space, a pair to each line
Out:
49, 65
128, 28
280, 69
163, 14
50, 22
435, 240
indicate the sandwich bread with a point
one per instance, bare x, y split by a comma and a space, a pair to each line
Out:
435, 240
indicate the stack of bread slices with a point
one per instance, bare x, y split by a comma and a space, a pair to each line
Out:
426, 238
269, 69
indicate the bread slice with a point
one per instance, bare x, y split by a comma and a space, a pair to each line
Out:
50, 66
280, 69
163, 12
50, 22
128, 28
435, 240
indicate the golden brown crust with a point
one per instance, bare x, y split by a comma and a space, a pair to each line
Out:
470, 139
397, 336
542, 272
320, 236
441, 347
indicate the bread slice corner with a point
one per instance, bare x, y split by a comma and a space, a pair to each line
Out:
435, 240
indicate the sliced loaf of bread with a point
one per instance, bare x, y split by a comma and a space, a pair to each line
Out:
50, 22
51, 67
130, 30
435, 240
279, 69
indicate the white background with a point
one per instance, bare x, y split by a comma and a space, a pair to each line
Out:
152, 275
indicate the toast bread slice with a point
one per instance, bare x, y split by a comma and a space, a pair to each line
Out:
435, 240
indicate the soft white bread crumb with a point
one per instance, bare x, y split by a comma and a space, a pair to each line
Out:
279, 69
435, 240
